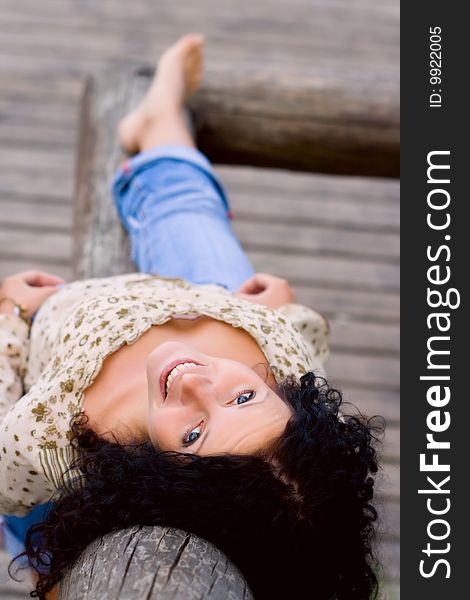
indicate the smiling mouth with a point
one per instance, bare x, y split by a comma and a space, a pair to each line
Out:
172, 370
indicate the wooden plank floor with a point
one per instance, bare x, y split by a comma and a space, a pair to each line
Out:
336, 239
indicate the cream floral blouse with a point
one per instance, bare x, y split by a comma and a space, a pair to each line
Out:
44, 372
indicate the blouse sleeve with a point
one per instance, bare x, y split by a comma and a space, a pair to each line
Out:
23, 483
18, 473
313, 327
14, 349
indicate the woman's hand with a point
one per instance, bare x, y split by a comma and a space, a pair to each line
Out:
266, 289
28, 289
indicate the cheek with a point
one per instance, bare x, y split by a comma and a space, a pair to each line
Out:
158, 430
166, 429
270, 425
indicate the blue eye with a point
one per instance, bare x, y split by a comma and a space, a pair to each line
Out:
191, 436
245, 397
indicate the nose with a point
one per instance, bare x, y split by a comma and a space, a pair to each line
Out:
196, 389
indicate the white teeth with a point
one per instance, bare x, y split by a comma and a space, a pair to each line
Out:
174, 372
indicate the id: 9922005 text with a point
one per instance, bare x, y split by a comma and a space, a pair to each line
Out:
435, 67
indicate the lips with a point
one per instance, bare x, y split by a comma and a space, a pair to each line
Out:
167, 370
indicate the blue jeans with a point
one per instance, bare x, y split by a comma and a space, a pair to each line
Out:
178, 220
15, 529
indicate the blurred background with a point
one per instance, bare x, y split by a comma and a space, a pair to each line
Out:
341, 231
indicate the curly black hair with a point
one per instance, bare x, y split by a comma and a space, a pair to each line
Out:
297, 520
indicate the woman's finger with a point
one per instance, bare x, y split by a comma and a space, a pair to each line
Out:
246, 285
254, 285
41, 278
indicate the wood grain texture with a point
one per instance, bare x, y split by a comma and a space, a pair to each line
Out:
315, 240
11, 266
329, 271
354, 305
34, 216
51, 246
385, 403
155, 563
101, 247
321, 207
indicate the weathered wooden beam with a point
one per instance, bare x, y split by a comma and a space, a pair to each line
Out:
156, 563
336, 123
101, 247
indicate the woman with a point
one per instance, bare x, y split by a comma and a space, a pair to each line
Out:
186, 398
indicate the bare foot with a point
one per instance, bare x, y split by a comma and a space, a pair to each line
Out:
177, 77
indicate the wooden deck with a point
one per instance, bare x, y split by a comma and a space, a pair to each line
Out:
335, 238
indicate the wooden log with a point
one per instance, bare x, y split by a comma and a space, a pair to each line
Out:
335, 124
101, 246
156, 563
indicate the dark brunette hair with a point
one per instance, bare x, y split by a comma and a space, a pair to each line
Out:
297, 520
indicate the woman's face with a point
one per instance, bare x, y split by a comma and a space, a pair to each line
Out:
210, 405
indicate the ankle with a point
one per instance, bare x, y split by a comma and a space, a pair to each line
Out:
169, 128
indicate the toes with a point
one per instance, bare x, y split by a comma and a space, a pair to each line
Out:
186, 48
192, 39
190, 44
